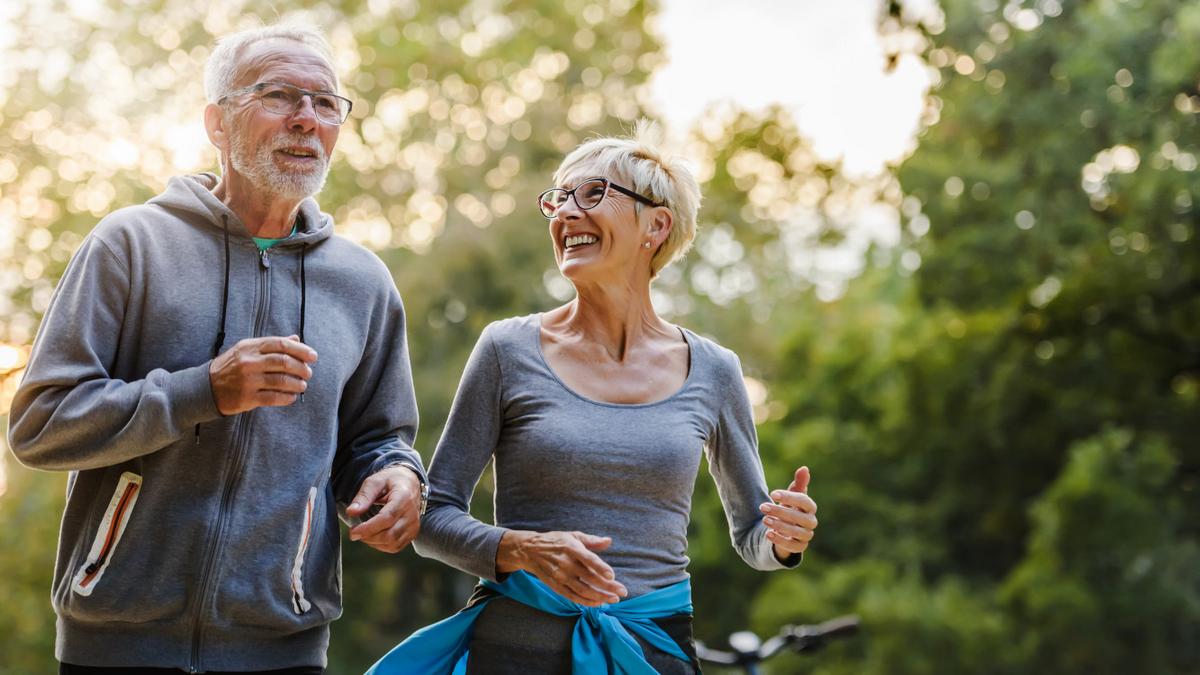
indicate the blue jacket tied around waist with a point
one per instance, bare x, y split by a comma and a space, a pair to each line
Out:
601, 643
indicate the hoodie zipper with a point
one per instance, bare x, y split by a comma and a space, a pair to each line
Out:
233, 473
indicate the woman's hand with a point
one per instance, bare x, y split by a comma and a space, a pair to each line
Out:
564, 561
791, 522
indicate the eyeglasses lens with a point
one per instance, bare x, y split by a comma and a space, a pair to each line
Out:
285, 101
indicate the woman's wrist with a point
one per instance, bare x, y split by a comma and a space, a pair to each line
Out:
784, 557
509, 556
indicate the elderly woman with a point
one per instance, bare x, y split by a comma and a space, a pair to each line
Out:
596, 414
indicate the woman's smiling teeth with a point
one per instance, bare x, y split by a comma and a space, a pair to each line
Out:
579, 240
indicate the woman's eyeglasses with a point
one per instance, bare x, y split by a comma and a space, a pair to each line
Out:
588, 195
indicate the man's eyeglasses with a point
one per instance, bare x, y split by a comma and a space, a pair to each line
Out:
588, 195
284, 99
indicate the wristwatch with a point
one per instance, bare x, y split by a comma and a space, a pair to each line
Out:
424, 487
424, 496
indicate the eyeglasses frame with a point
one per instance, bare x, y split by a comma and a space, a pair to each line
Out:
259, 86
570, 194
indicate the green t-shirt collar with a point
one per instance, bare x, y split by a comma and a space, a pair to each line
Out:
264, 244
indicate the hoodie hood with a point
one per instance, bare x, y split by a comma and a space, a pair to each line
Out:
192, 195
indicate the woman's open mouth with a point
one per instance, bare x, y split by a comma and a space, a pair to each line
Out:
578, 241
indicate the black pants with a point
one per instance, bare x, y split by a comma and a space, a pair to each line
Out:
510, 638
68, 669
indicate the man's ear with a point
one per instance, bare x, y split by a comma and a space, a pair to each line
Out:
214, 125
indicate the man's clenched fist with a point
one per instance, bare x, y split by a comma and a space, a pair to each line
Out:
257, 372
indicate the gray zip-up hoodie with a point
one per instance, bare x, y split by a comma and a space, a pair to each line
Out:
192, 540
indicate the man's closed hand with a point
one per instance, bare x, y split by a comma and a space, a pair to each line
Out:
398, 489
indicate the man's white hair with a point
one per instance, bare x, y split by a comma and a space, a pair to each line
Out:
646, 168
224, 65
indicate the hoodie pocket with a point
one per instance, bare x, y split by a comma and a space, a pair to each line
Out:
299, 603
112, 526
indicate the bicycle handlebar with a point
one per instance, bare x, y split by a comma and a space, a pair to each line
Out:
842, 626
795, 638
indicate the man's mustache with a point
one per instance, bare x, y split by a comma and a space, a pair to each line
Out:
299, 142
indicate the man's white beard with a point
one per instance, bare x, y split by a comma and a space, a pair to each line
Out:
258, 164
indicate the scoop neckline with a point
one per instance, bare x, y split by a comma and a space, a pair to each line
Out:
687, 381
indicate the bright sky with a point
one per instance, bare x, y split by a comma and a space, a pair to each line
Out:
822, 59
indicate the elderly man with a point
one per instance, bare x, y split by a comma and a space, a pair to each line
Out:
220, 373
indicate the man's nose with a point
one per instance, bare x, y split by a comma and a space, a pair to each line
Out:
304, 117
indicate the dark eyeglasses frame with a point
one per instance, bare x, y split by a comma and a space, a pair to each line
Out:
257, 88
570, 194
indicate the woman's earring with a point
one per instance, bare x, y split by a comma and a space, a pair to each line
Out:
646, 245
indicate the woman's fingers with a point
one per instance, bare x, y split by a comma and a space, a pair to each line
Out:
797, 500
590, 568
800, 480
786, 544
571, 569
788, 530
790, 517
564, 577
570, 594
789, 514
791, 522
591, 541
582, 593
589, 578
590, 560
596, 573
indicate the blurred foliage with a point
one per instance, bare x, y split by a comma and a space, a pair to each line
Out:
1003, 424
1000, 407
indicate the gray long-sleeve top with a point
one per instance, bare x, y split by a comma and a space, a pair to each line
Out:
565, 462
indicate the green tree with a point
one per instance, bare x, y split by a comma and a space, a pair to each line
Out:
1034, 343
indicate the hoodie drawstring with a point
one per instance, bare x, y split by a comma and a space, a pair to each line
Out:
303, 296
220, 341
303, 289
224, 291
225, 304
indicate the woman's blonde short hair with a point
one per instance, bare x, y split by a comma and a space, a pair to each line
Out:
645, 167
